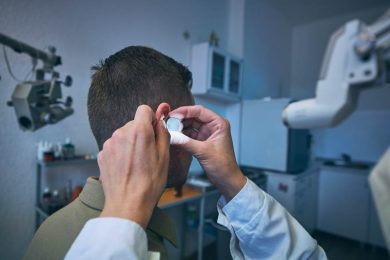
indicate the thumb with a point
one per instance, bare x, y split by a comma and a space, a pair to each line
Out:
190, 145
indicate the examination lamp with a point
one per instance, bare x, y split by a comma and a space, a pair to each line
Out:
38, 102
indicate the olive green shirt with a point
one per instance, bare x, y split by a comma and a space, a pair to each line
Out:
56, 235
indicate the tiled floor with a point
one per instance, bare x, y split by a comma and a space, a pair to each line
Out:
341, 248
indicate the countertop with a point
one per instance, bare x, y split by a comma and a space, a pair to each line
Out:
169, 198
347, 165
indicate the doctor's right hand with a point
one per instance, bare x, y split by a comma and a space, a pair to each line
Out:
134, 166
211, 143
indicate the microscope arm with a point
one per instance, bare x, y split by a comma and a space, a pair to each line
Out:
49, 59
38, 102
357, 58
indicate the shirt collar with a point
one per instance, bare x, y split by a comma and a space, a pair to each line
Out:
160, 223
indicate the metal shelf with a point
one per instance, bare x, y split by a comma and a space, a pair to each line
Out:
77, 160
40, 214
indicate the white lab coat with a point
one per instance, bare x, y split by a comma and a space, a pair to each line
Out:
379, 180
261, 229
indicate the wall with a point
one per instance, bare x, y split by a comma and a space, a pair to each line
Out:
261, 35
83, 32
267, 51
365, 134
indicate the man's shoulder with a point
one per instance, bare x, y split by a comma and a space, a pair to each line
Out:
70, 218
57, 233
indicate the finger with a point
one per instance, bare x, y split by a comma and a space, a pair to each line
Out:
198, 130
178, 138
162, 140
201, 134
200, 113
144, 114
191, 122
143, 124
190, 132
194, 147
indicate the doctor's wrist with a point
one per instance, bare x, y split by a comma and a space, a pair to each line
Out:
140, 215
231, 185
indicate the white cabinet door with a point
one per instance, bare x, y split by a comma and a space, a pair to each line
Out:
306, 201
216, 73
297, 193
343, 203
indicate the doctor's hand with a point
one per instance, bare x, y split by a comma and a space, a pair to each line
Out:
134, 166
211, 143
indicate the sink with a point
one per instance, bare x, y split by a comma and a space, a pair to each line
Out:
345, 164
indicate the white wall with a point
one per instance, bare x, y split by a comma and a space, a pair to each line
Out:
365, 135
267, 51
83, 32
261, 35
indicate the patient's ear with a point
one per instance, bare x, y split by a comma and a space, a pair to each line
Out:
162, 109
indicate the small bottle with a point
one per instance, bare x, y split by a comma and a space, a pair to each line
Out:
46, 197
56, 196
68, 149
58, 151
55, 202
48, 152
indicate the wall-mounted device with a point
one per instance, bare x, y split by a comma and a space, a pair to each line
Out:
357, 58
38, 102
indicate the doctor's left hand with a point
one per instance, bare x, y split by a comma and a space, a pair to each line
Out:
134, 167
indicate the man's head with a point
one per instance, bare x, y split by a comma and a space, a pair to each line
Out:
134, 76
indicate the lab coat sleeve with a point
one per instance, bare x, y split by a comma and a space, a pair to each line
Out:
109, 238
262, 229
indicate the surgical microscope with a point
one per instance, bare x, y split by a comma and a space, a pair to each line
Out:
357, 58
38, 102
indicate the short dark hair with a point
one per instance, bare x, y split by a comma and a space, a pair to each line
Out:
134, 76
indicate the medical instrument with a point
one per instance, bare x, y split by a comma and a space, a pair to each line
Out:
357, 58
175, 126
38, 102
